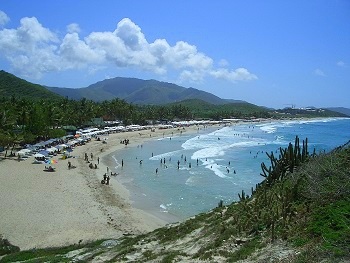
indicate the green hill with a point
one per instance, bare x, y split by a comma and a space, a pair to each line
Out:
234, 109
138, 91
342, 110
10, 85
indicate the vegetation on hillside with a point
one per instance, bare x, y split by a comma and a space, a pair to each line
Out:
10, 86
229, 110
299, 213
137, 91
305, 113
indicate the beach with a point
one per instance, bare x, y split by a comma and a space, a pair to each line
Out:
70, 206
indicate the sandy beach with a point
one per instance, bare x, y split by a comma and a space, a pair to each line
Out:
45, 209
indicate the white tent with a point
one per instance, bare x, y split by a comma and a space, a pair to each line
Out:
52, 149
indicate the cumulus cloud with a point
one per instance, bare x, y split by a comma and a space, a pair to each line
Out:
30, 48
34, 50
4, 19
233, 75
73, 28
319, 72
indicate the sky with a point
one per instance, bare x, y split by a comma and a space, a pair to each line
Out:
270, 53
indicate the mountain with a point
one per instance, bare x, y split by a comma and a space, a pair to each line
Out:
10, 85
342, 110
201, 107
138, 91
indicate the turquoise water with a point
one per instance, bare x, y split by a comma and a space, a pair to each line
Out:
229, 161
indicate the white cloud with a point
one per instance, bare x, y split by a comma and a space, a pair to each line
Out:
34, 50
233, 75
77, 53
73, 28
319, 72
4, 19
192, 76
131, 35
31, 48
341, 63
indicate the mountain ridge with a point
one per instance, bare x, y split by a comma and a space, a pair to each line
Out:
139, 91
342, 110
132, 90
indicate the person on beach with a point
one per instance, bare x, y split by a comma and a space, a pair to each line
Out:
122, 162
98, 160
107, 169
156, 170
69, 165
92, 156
107, 182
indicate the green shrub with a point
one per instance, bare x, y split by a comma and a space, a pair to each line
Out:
332, 223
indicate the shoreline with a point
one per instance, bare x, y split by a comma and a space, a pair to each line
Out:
71, 206
135, 197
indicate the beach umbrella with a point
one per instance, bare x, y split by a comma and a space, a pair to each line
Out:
51, 161
69, 150
39, 155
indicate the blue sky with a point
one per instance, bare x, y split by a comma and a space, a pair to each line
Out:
270, 53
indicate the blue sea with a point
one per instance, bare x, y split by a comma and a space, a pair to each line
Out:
181, 176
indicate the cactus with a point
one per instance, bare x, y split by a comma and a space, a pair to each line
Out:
221, 203
289, 158
243, 196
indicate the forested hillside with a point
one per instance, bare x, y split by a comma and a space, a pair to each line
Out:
10, 85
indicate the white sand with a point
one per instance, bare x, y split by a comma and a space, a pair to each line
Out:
43, 209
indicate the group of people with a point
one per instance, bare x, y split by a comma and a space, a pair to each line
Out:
125, 141
92, 166
105, 179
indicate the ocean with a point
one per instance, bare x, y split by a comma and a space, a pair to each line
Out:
180, 176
